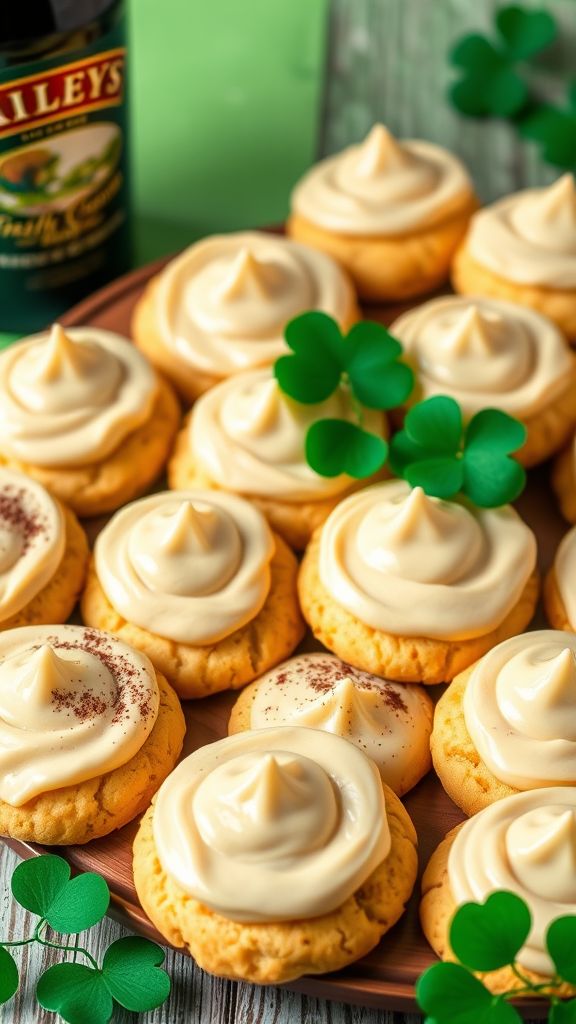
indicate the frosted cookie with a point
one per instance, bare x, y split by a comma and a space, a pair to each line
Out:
508, 723
199, 582
523, 844
560, 585
563, 480
487, 353
43, 554
248, 437
84, 414
414, 588
221, 307
392, 213
523, 248
388, 721
88, 731
275, 853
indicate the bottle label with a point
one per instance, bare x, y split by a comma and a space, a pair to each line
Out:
63, 190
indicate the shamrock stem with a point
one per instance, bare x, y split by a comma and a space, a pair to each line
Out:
65, 949
19, 942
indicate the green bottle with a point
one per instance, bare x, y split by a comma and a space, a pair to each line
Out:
64, 190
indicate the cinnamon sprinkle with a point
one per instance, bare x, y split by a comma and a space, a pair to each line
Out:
14, 513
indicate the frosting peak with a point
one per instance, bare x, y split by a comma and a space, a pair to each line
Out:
486, 352
223, 304
389, 721
548, 218
272, 824
519, 708
415, 565
525, 844
379, 153
71, 397
248, 278
542, 846
383, 187
473, 333
278, 804
74, 703
420, 538
207, 554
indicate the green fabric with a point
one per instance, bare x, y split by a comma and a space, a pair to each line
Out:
225, 104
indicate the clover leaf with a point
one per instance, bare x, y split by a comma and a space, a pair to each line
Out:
433, 451
489, 83
561, 943
337, 446
78, 993
525, 32
133, 975
489, 935
449, 994
554, 129
44, 886
366, 360
9, 978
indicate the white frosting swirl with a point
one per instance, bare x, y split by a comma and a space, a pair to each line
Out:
525, 844
383, 187
70, 398
223, 304
565, 569
75, 703
520, 709
192, 566
272, 825
248, 436
32, 540
413, 565
485, 353
529, 237
388, 721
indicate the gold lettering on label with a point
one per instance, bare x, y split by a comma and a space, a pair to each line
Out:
18, 106
73, 89
96, 75
43, 104
115, 77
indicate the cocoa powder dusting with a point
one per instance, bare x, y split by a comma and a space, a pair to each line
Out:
131, 681
14, 513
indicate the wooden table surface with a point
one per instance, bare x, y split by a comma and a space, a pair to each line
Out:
385, 61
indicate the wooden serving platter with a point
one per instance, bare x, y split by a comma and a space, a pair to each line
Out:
385, 978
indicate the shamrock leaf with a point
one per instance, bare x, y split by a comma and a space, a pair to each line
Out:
313, 373
43, 886
560, 943
337, 446
377, 379
563, 1013
486, 936
555, 129
78, 993
525, 33
433, 452
132, 973
8, 975
441, 477
491, 477
449, 994
489, 84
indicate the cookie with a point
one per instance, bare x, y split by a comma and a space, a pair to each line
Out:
388, 721
340, 581
220, 308
273, 952
260, 594
391, 213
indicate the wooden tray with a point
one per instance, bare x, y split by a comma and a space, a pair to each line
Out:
385, 978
